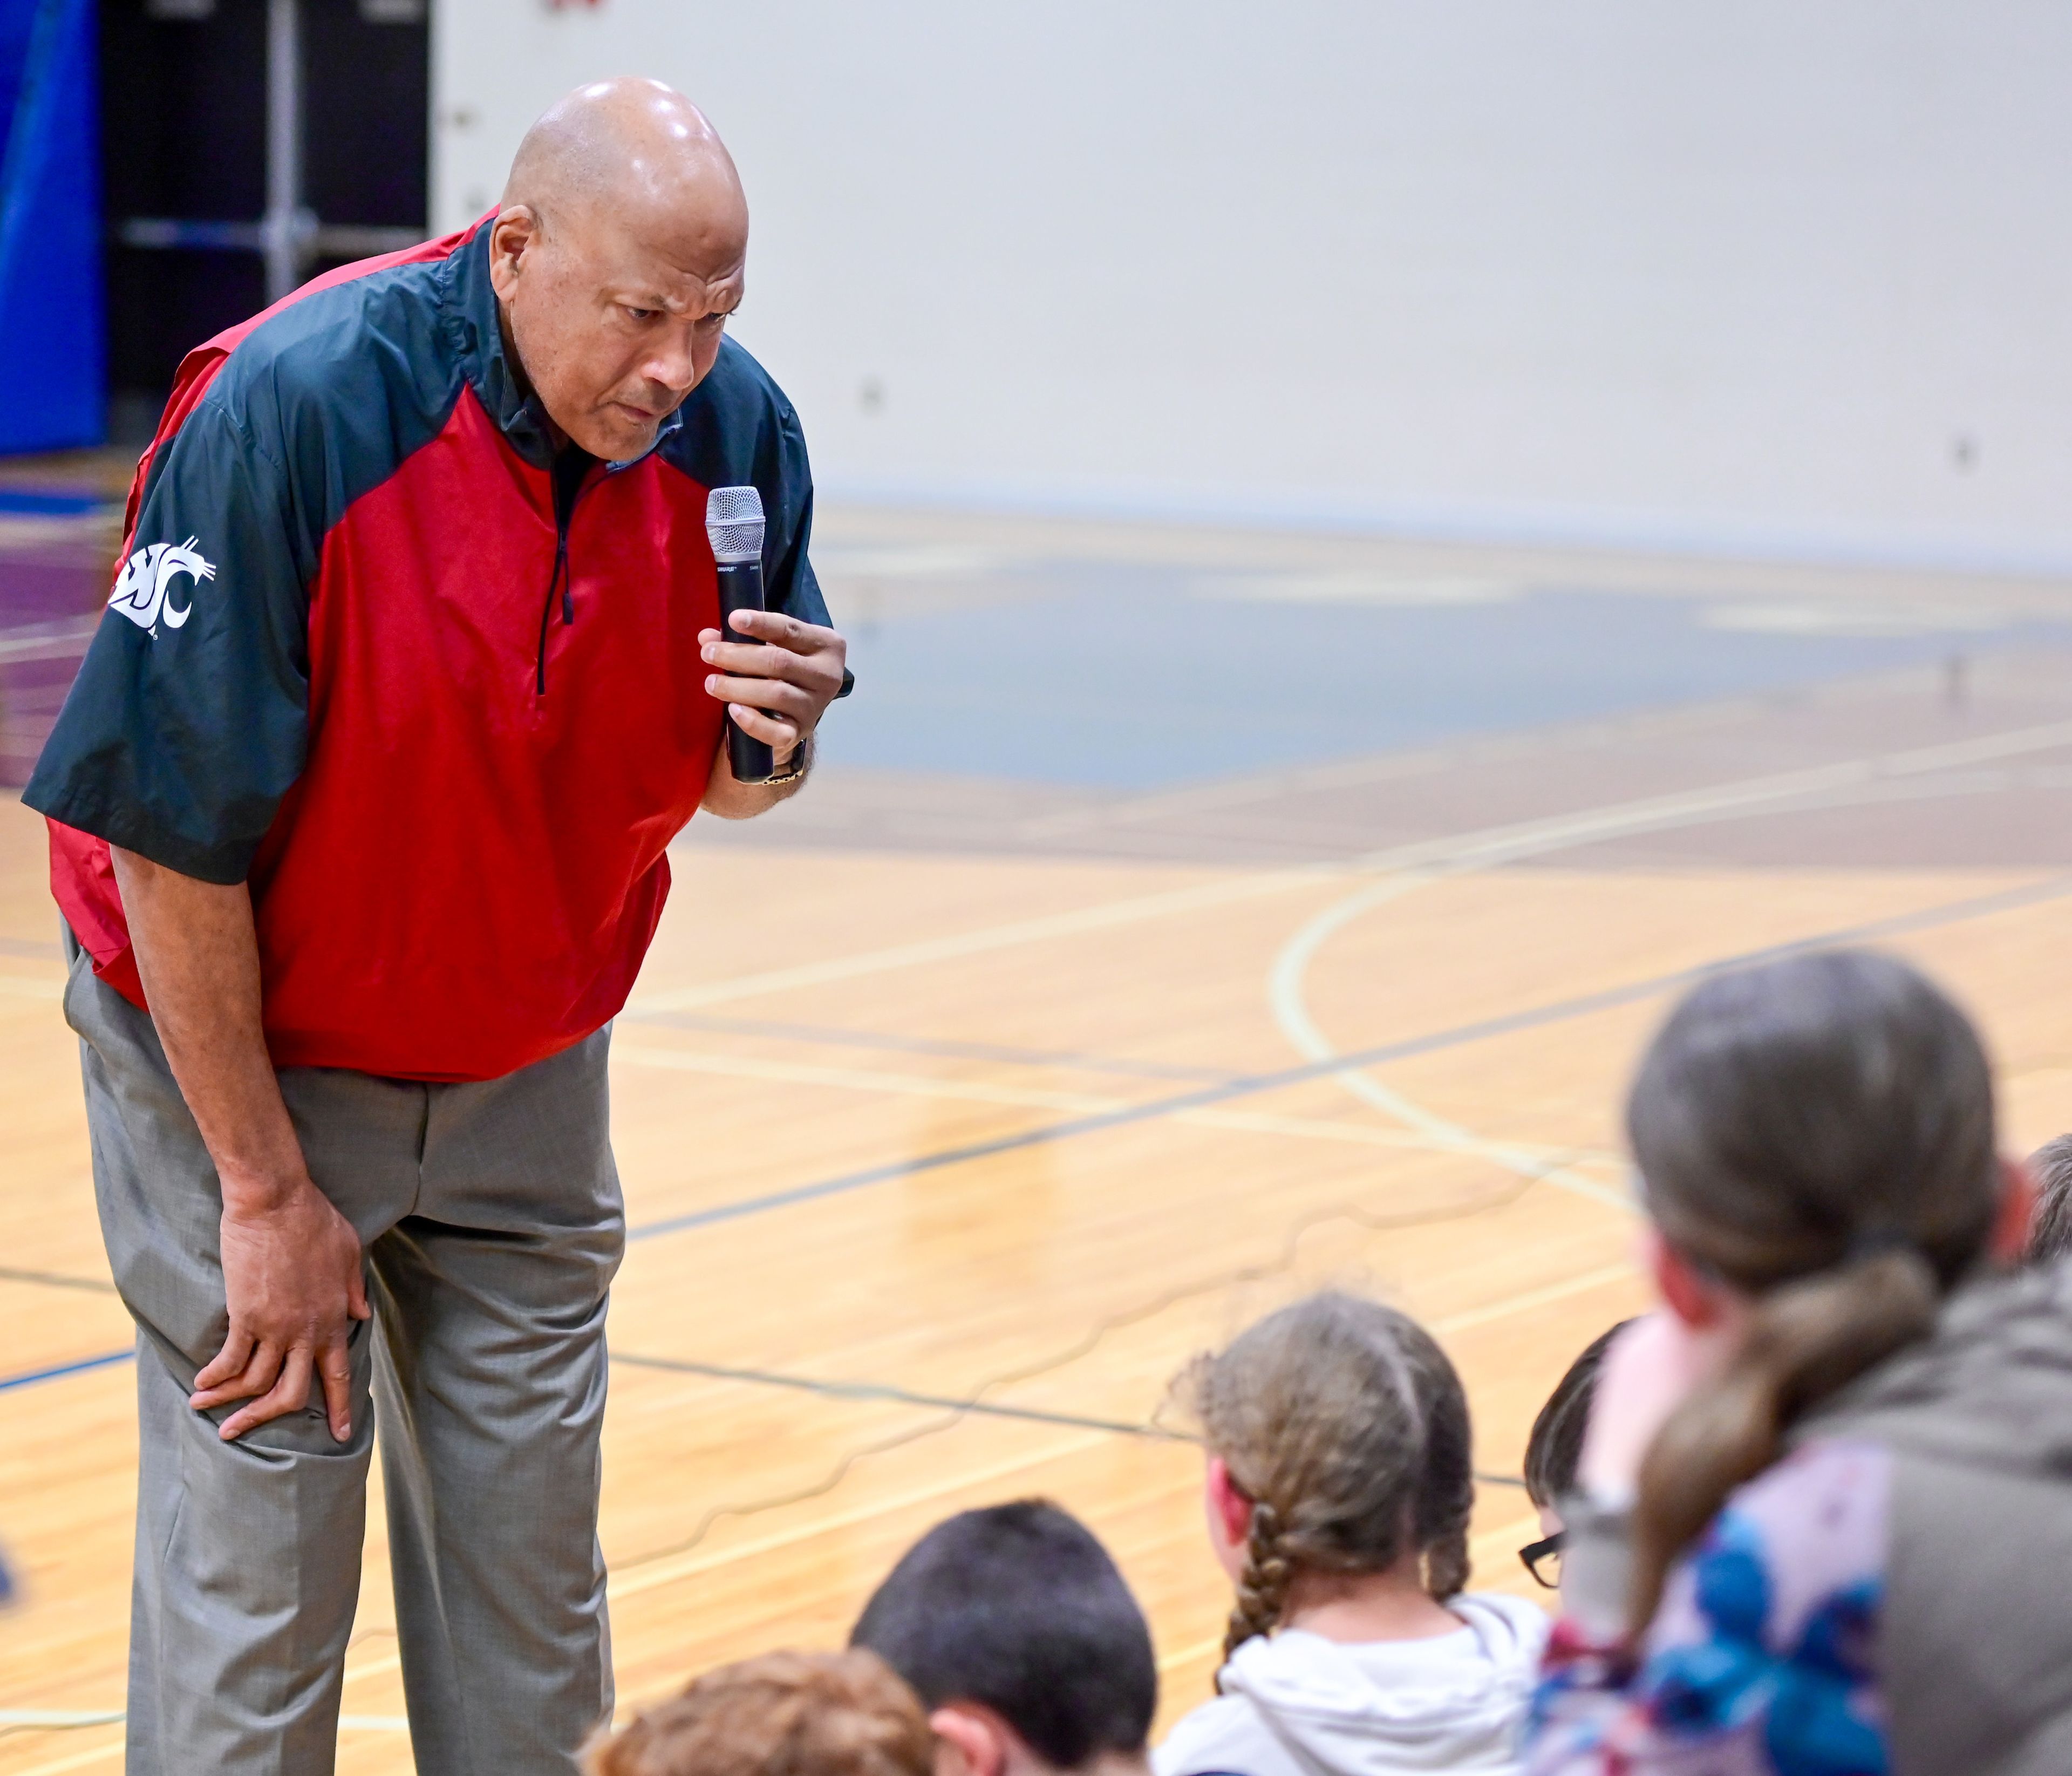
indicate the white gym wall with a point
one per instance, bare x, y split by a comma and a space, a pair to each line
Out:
1776, 277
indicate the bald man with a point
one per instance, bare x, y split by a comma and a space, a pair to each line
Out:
358, 812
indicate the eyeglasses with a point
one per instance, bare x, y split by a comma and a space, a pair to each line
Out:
1543, 1559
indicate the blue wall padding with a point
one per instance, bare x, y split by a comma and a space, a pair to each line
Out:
53, 347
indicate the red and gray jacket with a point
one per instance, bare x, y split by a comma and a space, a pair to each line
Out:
434, 693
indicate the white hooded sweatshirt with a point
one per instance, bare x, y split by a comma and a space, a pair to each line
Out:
1296, 1704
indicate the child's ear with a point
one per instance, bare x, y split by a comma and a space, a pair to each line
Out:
1687, 1293
1229, 1508
967, 1743
2015, 1217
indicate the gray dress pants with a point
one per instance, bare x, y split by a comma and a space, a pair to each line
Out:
492, 1218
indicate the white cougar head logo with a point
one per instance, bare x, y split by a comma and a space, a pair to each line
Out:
140, 589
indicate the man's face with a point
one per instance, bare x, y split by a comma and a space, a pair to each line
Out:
617, 316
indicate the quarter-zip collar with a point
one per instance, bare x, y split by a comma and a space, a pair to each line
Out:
473, 331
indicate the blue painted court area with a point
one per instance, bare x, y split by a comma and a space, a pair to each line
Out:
1128, 678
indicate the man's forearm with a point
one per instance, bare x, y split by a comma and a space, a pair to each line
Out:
198, 954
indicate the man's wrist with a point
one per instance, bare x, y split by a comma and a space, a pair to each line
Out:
257, 1193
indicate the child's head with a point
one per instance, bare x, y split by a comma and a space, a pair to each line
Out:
1019, 1635
2050, 1232
783, 1714
1342, 1427
1555, 1445
1815, 1140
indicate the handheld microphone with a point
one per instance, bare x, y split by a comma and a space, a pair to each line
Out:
734, 521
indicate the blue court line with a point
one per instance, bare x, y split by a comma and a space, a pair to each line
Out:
881, 1391
878, 1391
60, 1371
1952, 912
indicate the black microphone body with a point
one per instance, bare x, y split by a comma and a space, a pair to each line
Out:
741, 589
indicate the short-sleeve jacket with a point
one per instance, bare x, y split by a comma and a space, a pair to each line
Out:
353, 659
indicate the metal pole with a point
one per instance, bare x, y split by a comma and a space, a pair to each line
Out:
282, 229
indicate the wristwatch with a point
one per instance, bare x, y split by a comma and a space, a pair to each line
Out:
802, 762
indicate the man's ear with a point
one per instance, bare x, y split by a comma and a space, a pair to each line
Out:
2015, 1217
1686, 1291
968, 1740
514, 231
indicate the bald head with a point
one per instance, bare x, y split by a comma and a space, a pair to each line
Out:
617, 252
626, 144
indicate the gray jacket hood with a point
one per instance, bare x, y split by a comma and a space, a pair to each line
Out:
1296, 1704
1992, 1389
1974, 1643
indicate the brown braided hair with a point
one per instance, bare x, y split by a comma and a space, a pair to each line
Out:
1817, 1133
783, 1714
1343, 1422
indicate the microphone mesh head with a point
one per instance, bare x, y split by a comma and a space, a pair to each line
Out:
734, 521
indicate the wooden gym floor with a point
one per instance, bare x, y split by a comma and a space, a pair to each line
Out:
1054, 1084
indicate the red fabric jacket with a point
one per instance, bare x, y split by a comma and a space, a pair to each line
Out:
345, 663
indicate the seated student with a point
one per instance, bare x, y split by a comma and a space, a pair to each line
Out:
1552, 1451
2050, 1232
1825, 1510
1338, 1488
783, 1714
1018, 1634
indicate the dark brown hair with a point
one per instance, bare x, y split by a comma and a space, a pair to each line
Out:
783, 1714
1345, 1424
2050, 1234
1817, 1133
1555, 1447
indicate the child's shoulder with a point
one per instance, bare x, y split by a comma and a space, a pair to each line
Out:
1223, 1734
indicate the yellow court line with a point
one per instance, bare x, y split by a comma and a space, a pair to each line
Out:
649, 1578
1366, 1135
855, 1079
1481, 849
81, 1759
642, 1579
23, 986
991, 937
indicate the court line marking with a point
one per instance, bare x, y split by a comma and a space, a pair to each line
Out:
1285, 979
1064, 1060
1509, 1023
1486, 846
52, 1279
858, 1079
640, 1576
640, 1579
1100, 917
883, 1392
347, 1723
1608, 998
58, 1371
980, 1091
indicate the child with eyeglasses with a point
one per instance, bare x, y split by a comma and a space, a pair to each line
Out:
1552, 1452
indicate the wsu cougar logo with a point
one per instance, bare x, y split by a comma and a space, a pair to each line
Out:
140, 590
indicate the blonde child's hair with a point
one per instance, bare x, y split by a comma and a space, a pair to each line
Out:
783, 1714
1344, 1424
